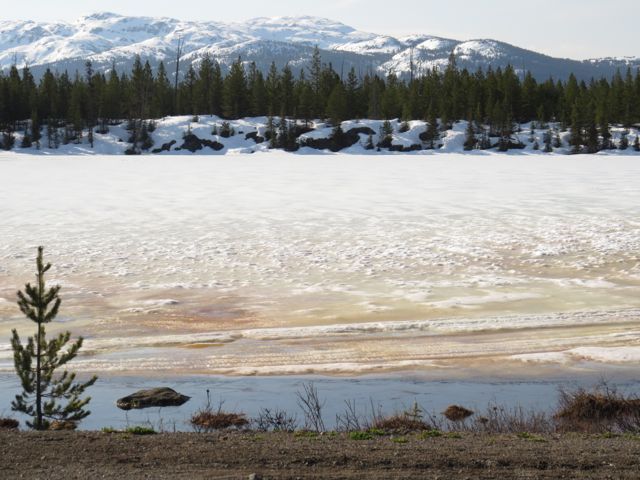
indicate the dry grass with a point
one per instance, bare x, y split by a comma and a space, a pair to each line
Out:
400, 423
603, 409
61, 425
498, 419
208, 421
456, 413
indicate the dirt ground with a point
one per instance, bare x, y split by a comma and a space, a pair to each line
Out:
84, 455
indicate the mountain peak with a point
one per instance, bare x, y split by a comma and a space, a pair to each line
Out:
101, 16
107, 37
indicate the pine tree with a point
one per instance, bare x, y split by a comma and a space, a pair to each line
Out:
576, 139
385, 135
470, 141
235, 91
162, 101
272, 91
624, 141
257, 90
42, 388
305, 102
50, 128
337, 105
315, 72
369, 145
431, 133
270, 133
286, 88
353, 93
547, 142
592, 138
35, 129
90, 101
26, 140
605, 133
8, 140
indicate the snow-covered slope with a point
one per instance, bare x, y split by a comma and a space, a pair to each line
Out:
105, 38
185, 135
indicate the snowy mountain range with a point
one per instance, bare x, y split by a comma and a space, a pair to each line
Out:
107, 38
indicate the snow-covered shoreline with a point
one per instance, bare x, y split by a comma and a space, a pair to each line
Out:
248, 137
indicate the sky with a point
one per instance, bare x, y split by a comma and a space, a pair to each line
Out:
576, 29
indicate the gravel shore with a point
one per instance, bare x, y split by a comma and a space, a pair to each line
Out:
82, 455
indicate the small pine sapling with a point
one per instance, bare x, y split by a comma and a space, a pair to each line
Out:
43, 391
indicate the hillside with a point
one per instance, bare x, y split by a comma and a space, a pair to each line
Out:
107, 38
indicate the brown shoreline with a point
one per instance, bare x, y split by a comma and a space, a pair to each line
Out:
81, 455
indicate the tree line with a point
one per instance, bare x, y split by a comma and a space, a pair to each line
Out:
66, 106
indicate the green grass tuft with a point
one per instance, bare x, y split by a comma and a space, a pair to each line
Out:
531, 437
140, 430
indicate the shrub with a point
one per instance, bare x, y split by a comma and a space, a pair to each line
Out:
598, 410
498, 419
275, 420
58, 426
531, 437
456, 413
208, 421
139, 430
361, 436
400, 423
226, 130
9, 424
311, 406
400, 440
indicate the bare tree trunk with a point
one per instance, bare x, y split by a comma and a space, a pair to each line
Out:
178, 55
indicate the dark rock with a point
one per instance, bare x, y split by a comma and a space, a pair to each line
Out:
155, 397
254, 136
339, 140
361, 130
193, 144
318, 143
413, 148
217, 146
165, 147
301, 130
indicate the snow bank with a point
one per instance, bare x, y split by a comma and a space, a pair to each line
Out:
249, 134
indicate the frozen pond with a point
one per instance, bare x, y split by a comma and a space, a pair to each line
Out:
286, 264
250, 395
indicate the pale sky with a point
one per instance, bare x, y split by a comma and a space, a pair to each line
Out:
565, 28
